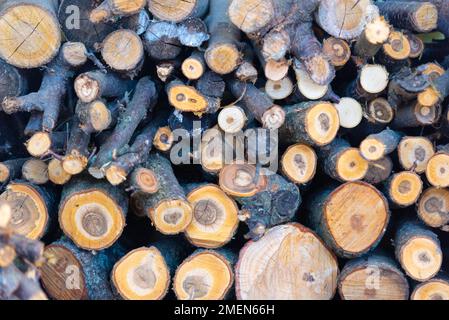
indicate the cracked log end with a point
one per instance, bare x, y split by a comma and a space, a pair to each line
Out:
141, 275
205, 275
223, 58
250, 16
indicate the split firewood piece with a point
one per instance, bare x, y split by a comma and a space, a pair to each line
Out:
56, 172
143, 101
232, 119
307, 49
415, 16
415, 152
434, 289
374, 277
143, 274
277, 203
418, 251
188, 99
11, 169
194, 66
205, 275
52, 91
299, 164
92, 213
161, 41
371, 81
437, 171
13, 82
258, 104
77, 152
26, 249
375, 34
379, 170
345, 19
379, 111
178, 10
342, 162
215, 217
350, 112
43, 143
112, 10
284, 253
33, 208
433, 208
351, 219
70, 273
94, 85
403, 189
222, 55
314, 123
168, 208
242, 180
415, 115
377, 146
416, 45
97, 116
337, 50
38, 20
35, 171
123, 51
395, 50
16, 285
279, 90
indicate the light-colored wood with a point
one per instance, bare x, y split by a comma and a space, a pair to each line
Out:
397, 46
351, 166
144, 180
251, 15
437, 171
215, 217
232, 119
433, 208
39, 144
404, 188
141, 275
288, 263
428, 98
322, 123
374, 78
75, 53
435, 289
110, 8
350, 112
206, 275
194, 66
176, 10
35, 171
278, 90
307, 87
376, 33
241, 180
56, 172
223, 58
415, 152
186, 99
276, 70
30, 33
171, 216
299, 163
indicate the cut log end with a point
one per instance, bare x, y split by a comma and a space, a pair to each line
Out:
372, 149
123, 50
320, 69
74, 163
215, 217
92, 219
322, 123
433, 207
115, 175
171, 217
374, 78
193, 68
416, 46
29, 210
187, 99
415, 152
163, 139
99, 116
437, 171
435, 289
428, 98
74, 53
273, 118
144, 180
377, 31
426, 17
33, 35
141, 275
276, 70
405, 188
397, 46
4, 173
350, 112
35, 171
299, 163
205, 275
241, 180
351, 166
223, 58
86, 88
172, 10
380, 111
250, 16
39, 144
307, 87
56, 172
337, 51
232, 119
279, 90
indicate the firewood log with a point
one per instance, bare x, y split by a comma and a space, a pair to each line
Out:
415, 152
379, 111
194, 66
232, 119
70, 273
38, 18
437, 171
265, 265
33, 208
92, 213
377, 146
115, 9
418, 251
42, 143
372, 38
299, 163
350, 112
379, 171
178, 10
56, 172
372, 80
433, 289
337, 50
11, 169
35, 171
77, 152
373, 277
341, 220
433, 208
13, 82
403, 189
279, 90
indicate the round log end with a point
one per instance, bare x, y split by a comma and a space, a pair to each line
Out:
192, 68
74, 164
39, 144
351, 166
145, 180
405, 188
279, 90
241, 180
186, 99
397, 46
123, 50
250, 16
86, 88
350, 112
232, 119
433, 207
273, 118
437, 171
415, 152
222, 58
435, 289
56, 173
337, 50
299, 163
171, 217
322, 123
163, 139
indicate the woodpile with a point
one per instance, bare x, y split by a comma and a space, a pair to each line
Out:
224, 149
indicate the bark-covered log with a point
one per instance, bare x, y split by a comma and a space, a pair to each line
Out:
33, 208
372, 80
379, 111
92, 213
379, 171
337, 50
433, 208
395, 51
13, 82
168, 208
11, 169
38, 20
418, 251
373, 277
433, 289
241, 180
178, 10
342, 162
377, 146
416, 45
194, 66
415, 152
372, 38
314, 123
143, 101
24, 248
71, 273
341, 216
205, 275
16, 285
285, 253
111, 10
403, 189
211, 84
44, 143
414, 16
161, 40
415, 115
98, 115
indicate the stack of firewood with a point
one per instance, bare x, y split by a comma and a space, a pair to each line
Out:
103, 104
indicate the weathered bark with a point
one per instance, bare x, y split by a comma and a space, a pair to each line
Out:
12, 81
77, 152
372, 38
379, 171
377, 146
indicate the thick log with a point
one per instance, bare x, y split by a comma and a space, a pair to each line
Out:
351, 219
372, 80
373, 277
379, 171
433, 208
284, 253
70, 273
418, 251
92, 213
178, 10
379, 111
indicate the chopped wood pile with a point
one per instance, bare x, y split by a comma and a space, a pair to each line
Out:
224, 149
